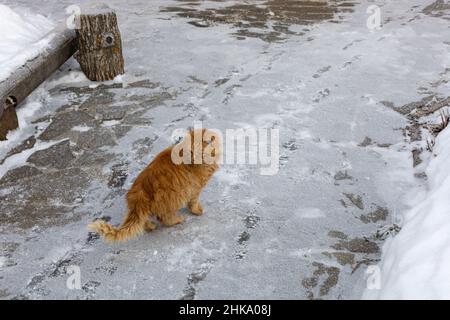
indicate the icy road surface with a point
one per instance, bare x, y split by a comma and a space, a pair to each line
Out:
333, 86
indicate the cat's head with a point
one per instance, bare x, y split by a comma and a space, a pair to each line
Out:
206, 146
199, 147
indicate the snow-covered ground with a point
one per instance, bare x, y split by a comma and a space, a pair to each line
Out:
416, 263
22, 37
336, 89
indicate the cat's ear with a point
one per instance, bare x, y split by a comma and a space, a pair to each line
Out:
211, 139
181, 152
178, 135
212, 153
211, 136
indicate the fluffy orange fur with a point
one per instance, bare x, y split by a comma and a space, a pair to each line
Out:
163, 188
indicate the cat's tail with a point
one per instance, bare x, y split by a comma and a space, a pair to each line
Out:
132, 226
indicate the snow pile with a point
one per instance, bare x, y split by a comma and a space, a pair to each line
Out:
416, 262
21, 38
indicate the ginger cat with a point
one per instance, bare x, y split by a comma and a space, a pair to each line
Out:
167, 185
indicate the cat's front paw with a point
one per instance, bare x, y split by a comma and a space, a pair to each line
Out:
196, 209
149, 226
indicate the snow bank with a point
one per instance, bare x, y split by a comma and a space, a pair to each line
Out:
416, 263
21, 38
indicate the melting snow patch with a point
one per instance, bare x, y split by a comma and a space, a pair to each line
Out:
2, 262
110, 123
81, 128
310, 213
70, 77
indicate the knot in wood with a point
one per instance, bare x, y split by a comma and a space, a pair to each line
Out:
108, 40
11, 101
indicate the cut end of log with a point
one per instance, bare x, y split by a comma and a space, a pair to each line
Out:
99, 44
8, 119
11, 102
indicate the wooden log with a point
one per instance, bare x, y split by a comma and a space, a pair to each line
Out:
99, 43
28, 77
8, 120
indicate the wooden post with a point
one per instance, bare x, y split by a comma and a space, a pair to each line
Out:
99, 43
28, 77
